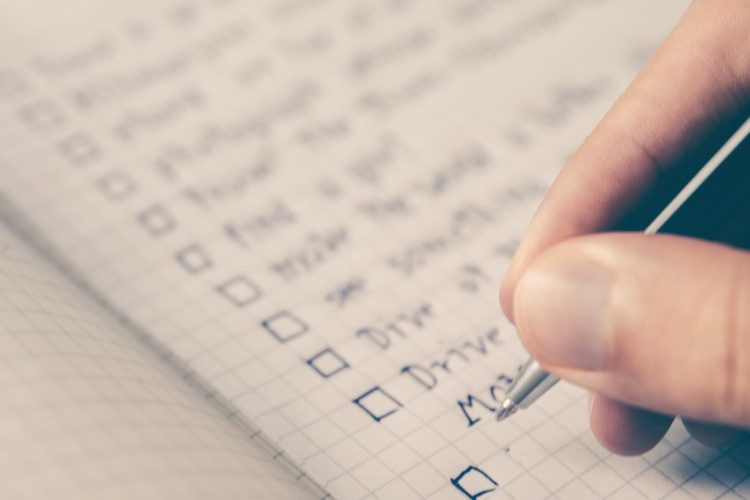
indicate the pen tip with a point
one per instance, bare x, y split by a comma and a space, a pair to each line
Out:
507, 409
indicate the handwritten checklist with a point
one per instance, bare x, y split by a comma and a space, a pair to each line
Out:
310, 205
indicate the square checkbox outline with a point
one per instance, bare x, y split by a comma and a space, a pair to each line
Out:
342, 363
156, 213
41, 115
282, 337
193, 259
224, 289
79, 149
116, 185
377, 389
456, 482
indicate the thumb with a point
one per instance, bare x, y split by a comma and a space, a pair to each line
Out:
660, 322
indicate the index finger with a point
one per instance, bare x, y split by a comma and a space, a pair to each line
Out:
665, 126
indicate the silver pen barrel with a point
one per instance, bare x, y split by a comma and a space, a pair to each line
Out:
701, 209
531, 382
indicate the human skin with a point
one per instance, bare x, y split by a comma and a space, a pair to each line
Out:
654, 326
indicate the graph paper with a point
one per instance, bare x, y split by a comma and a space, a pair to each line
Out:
310, 204
87, 412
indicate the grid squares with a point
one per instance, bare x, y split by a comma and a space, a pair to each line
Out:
424, 479
728, 471
372, 474
345, 486
504, 468
627, 467
101, 409
602, 479
151, 258
676, 466
578, 490
553, 473
399, 457
375, 438
743, 489
653, 484
477, 446
627, 492
704, 484
397, 488
527, 452
348, 453
527, 487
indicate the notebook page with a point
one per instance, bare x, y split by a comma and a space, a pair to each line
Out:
311, 203
87, 413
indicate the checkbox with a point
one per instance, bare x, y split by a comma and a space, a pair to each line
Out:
41, 116
239, 290
284, 326
79, 150
11, 84
473, 482
379, 404
156, 221
116, 185
193, 259
327, 363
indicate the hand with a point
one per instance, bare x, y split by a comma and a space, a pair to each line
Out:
654, 325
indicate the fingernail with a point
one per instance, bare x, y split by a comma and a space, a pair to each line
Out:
560, 308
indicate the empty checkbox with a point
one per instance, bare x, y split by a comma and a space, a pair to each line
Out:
377, 403
41, 116
156, 221
284, 326
193, 259
116, 185
240, 291
327, 363
473, 482
79, 150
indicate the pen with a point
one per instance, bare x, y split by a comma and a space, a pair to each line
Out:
711, 206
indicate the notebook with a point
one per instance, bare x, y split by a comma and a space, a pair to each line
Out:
252, 249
